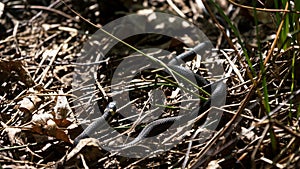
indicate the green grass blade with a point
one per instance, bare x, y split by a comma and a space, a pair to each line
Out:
296, 19
237, 34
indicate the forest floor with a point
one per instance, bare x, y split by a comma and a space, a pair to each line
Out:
42, 44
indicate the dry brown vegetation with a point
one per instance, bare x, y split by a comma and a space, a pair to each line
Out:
40, 42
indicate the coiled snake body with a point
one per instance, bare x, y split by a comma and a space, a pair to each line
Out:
215, 89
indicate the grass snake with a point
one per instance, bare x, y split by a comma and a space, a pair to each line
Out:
215, 89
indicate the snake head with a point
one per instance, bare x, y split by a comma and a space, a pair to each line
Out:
111, 107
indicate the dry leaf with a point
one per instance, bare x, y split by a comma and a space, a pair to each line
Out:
44, 124
1, 8
62, 107
83, 143
61, 135
11, 132
29, 104
54, 131
213, 165
246, 134
41, 119
62, 122
6, 67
